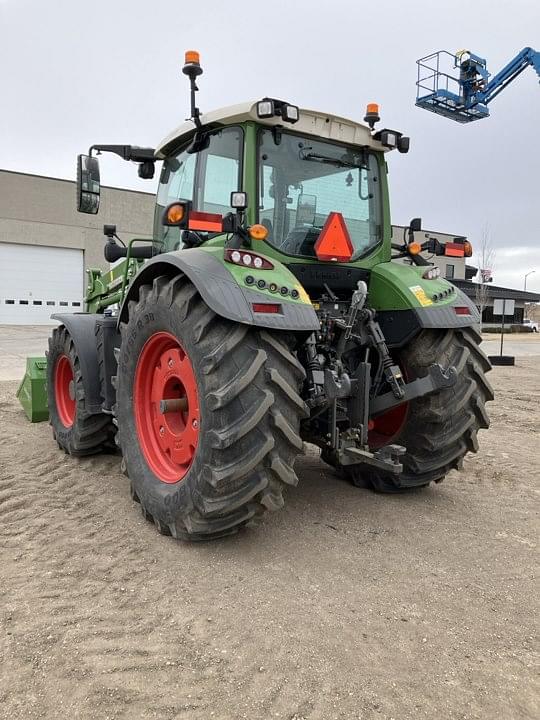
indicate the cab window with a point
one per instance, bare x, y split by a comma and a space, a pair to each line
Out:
207, 178
302, 180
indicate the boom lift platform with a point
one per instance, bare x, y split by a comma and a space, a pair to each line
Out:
464, 93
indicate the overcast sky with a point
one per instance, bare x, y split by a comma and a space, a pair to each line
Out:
75, 73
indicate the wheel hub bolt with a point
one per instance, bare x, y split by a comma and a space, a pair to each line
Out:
195, 424
171, 363
162, 430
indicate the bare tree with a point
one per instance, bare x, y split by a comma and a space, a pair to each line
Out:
485, 257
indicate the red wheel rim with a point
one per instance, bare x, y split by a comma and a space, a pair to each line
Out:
168, 437
64, 391
384, 428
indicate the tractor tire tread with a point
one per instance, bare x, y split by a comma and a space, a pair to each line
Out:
251, 382
442, 428
91, 433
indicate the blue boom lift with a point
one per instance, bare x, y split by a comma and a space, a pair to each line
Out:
465, 95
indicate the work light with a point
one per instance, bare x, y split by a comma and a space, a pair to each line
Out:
389, 138
290, 113
239, 200
432, 273
265, 109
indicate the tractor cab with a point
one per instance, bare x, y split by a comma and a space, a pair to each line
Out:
299, 169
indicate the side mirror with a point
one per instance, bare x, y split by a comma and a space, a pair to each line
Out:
415, 225
88, 187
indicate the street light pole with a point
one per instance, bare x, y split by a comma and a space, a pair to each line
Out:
525, 279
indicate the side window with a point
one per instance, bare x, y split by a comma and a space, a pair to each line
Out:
266, 202
207, 178
177, 182
177, 179
219, 172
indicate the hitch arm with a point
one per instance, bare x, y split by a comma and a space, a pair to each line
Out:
436, 379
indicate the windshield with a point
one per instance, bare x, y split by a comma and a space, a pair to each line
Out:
302, 180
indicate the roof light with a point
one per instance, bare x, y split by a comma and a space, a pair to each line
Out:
290, 113
414, 248
372, 114
265, 109
392, 139
270, 107
403, 144
389, 138
235, 256
247, 259
334, 242
258, 232
192, 57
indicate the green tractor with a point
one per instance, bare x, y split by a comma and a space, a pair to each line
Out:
267, 311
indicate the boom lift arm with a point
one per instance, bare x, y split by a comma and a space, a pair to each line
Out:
465, 97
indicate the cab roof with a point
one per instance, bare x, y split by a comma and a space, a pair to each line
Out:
310, 122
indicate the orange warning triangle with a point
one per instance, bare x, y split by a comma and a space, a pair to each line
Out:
334, 242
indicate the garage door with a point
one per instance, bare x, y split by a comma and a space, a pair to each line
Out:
37, 281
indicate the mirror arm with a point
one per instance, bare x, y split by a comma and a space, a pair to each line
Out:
126, 152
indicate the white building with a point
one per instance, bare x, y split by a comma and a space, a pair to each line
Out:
46, 245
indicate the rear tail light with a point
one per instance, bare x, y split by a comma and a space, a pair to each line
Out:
461, 310
266, 307
247, 259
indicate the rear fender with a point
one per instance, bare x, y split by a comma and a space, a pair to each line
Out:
223, 288
406, 303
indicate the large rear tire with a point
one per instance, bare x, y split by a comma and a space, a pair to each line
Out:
224, 453
437, 430
77, 431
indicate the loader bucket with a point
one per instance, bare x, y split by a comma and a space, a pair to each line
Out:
32, 392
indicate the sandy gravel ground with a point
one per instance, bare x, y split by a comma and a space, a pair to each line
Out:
345, 604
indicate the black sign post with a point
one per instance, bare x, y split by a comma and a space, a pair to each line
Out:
503, 307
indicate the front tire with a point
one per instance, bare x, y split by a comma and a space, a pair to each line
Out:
225, 452
77, 431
